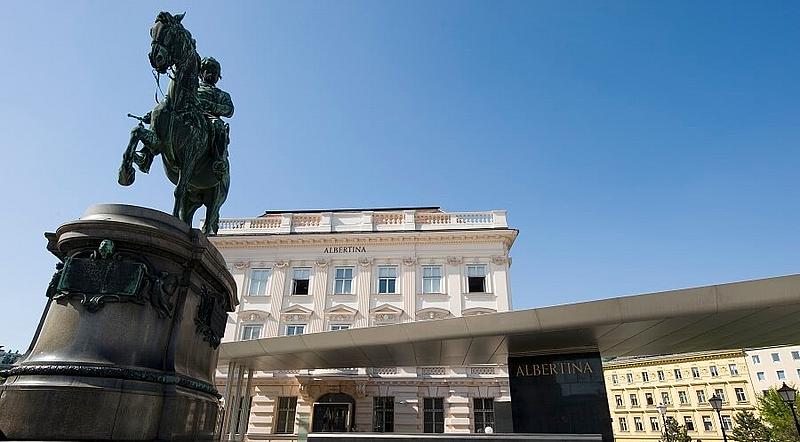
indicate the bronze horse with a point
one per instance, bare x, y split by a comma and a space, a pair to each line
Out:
178, 131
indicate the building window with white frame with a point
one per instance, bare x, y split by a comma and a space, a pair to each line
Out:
678, 374
688, 423
387, 279
634, 400
661, 376
781, 375
258, 282
796, 355
701, 397
645, 376
665, 399
648, 399
638, 425
727, 423
295, 329
713, 370
618, 400
300, 280
760, 376
623, 424
476, 278
707, 423
654, 424
776, 357
733, 369
286, 411
695, 372
383, 414
251, 331
683, 398
756, 359
740, 396
343, 281
431, 279
629, 377
335, 327
615, 379
720, 394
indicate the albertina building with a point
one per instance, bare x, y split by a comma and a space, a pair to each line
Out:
315, 271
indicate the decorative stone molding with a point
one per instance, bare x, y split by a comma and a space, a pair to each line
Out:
455, 260
409, 261
296, 313
361, 390
340, 313
322, 263
280, 263
474, 311
259, 264
432, 313
253, 316
500, 260
365, 262
241, 265
386, 314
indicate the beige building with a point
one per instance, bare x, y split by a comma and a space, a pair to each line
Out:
321, 271
770, 367
684, 382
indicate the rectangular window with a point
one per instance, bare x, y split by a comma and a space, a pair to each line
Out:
618, 399
720, 394
760, 376
707, 423
251, 331
776, 357
740, 396
383, 414
727, 424
476, 278
645, 376
665, 398
713, 370
431, 279
756, 359
796, 355
678, 375
300, 277
343, 281
623, 424
241, 420
648, 397
484, 413
335, 327
798, 372
387, 279
638, 424
701, 397
292, 330
695, 372
614, 379
683, 398
433, 415
688, 423
733, 369
258, 282
654, 424
629, 377
781, 375
661, 376
286, 411
634, 400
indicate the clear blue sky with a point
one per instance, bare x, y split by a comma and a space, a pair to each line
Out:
638, 146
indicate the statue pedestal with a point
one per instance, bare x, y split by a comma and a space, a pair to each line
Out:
127, 345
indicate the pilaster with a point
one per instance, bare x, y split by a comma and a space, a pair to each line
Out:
454, 284
319, 286
409, 288
276, 292
362, 290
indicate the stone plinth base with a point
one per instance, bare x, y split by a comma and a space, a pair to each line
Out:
127, 346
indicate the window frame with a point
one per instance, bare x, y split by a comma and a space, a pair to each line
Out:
740, 394
487, 414
389, 280
346, 283
733, 369
433, 407
285, 411
259, 327
302, 329
439, 278
638, 425
623, 424
484, 279
708, 423
383, 406
713, 370
263, 285
678, 374
338, 326
295, 279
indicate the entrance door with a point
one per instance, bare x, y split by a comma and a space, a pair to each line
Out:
331, 418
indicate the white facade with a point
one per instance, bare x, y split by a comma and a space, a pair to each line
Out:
770, 367
308, 272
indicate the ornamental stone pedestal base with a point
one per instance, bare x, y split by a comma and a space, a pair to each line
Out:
127, 346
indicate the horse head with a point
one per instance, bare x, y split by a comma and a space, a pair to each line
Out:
171, 44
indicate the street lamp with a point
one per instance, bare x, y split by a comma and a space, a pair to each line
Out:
788, 395
716, 404
662, 410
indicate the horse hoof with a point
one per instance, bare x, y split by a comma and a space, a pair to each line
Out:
126, 175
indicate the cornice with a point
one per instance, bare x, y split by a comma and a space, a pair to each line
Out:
674, 359
455, 237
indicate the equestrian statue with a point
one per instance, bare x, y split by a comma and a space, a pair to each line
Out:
185, 128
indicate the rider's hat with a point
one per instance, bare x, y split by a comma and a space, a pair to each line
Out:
209, 62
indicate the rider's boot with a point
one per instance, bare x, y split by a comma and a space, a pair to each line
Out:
143, 159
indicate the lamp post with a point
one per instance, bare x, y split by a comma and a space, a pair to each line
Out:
662, 410
716, 404
788, 395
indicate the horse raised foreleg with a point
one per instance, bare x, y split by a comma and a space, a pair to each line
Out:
127, 174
